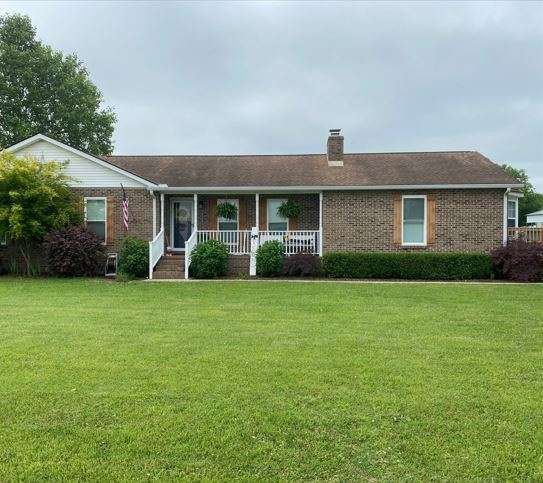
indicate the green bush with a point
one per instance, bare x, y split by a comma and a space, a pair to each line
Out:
269, 259
209, 260
134, 258
420, 266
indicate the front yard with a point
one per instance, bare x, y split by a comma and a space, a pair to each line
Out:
270, 380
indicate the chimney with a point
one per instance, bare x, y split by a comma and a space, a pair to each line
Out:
335, 148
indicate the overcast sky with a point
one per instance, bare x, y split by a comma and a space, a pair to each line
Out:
187, 78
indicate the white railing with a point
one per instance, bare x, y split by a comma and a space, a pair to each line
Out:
238, 242
189, 246
294, 241
156, 250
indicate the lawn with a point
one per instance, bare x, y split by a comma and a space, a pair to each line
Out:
270, 380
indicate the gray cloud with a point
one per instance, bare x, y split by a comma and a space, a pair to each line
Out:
273, 77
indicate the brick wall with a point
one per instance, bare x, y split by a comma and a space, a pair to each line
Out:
140, 211
466, 220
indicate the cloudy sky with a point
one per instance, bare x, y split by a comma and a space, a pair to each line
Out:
229, 78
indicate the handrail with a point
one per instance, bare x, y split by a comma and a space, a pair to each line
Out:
189, 246
156, 251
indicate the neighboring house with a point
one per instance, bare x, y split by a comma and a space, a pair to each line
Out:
421, 201
535, 218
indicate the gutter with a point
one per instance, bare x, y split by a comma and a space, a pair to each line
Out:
317, 189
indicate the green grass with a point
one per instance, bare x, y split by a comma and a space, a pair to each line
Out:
270, 380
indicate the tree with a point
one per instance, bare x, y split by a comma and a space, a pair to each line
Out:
531, 201
35, 198
43, 91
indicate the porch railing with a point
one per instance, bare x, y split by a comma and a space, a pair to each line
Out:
238, 242
528, 233
189, 246
156, 250
294, 241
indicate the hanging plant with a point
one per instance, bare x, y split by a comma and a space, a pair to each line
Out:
289, 209
227, 210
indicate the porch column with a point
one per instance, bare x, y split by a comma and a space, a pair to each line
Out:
161, 211
320, 224
154, 215
195, 212
257, 211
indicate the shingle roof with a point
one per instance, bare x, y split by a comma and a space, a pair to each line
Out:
364, 170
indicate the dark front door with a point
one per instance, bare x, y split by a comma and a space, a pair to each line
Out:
181, 222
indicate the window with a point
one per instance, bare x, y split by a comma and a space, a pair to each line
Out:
414, 220
511, 213
95, 216
223, 223
275, 221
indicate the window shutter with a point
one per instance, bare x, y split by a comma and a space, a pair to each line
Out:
242, 214
212, 207
263, 214
397, 197
431, 218
111, 225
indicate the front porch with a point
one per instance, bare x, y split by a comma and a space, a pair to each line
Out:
182, 220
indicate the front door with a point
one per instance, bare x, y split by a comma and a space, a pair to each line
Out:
181, 213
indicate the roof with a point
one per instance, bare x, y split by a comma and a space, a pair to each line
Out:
364, 170
540, 212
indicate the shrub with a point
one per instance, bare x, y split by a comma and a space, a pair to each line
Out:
134, 258
269, 259
302, 265
421, 266
209, 260
520, 261
73, 252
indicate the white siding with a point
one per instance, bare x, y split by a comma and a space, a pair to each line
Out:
87, 173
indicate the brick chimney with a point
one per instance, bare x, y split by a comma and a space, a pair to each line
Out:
335, 148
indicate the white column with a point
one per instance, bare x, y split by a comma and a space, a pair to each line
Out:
257, 211
320, 224
195, 212
254, 248
161, 211
154, 215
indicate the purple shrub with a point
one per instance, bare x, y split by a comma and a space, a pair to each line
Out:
73, 252
520, 261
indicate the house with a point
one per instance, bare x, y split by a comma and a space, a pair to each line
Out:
535, 218
447, 201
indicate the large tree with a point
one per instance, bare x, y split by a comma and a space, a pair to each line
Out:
35, 198
531, 201
43, 91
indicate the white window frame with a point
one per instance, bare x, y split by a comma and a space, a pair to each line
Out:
233, 201
104, 198
512, 200
425, 223
282, 200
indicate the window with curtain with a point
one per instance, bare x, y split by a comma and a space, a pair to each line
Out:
223, 223
275, 221
95, 216
414, 220
511, 213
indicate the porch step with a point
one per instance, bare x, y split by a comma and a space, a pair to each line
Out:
171, 267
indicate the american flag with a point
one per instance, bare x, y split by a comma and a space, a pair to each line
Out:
125, 209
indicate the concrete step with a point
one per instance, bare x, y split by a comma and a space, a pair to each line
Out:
168, 274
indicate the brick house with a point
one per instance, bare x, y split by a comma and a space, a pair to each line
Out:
420, 201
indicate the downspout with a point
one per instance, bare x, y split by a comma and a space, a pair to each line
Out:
507, 191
